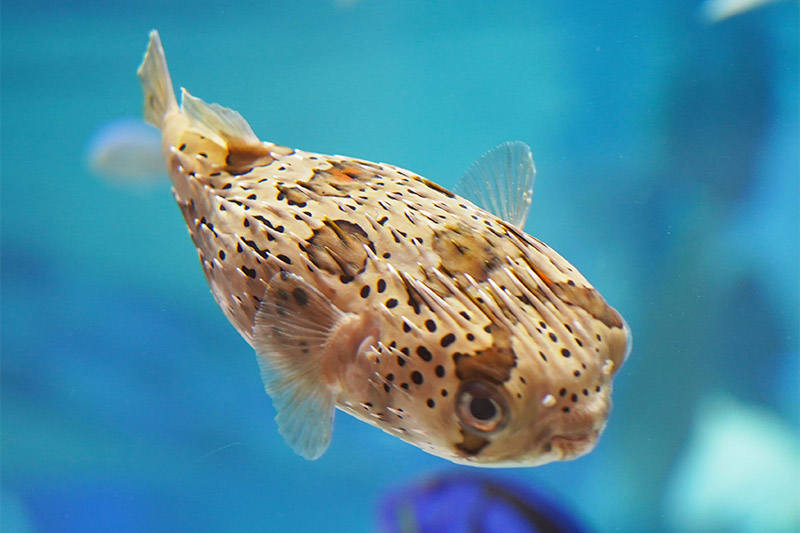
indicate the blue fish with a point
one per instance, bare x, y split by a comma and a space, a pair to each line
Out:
473, 503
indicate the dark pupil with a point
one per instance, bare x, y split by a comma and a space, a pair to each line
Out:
482, 408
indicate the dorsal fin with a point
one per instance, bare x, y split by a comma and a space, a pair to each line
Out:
217, 120
227, 129
501, 181
292, 325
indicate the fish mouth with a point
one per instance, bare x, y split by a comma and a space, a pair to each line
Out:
574, 445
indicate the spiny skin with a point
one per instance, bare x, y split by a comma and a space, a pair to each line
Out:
469, 338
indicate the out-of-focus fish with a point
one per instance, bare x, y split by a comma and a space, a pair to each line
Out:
739, 471
126, 150
718, 10
366, 287
470, 503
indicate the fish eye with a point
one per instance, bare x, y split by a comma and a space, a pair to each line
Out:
481, 407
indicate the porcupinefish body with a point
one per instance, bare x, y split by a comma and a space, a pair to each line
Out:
365, 287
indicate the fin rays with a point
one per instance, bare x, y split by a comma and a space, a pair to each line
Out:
292, 325
501, 181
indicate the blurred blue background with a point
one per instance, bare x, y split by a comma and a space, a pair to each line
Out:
667, 150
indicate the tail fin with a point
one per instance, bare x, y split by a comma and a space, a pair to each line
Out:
159, 97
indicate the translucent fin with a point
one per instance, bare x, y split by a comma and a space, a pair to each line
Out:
292, 325
501, 181
215, 119
159, 97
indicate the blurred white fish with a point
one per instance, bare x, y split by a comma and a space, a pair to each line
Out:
740, 471
712, 11
126, 150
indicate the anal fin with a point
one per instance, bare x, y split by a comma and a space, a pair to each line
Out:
292, 326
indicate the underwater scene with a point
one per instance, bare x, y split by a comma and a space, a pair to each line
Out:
661, 143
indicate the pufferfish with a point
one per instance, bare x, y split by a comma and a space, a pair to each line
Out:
368, 288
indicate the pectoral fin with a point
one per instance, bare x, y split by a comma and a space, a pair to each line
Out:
292, 326
501, 181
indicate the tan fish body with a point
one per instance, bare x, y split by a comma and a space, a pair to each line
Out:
365, 287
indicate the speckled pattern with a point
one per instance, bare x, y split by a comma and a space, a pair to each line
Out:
369, 287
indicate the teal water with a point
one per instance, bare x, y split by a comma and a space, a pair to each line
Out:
668, 173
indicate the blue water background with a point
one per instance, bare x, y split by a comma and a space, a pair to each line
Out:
667, 152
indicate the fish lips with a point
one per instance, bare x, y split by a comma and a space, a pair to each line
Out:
576, 436
570, 446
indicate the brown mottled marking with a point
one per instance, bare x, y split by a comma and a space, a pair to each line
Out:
493, 364
337, 247
590, 300
472, 444
293, 195
340, 179
463, 251
241, 158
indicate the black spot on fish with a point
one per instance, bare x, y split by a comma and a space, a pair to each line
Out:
254, 246
447, 340
424, 353
416, 377
300, 296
